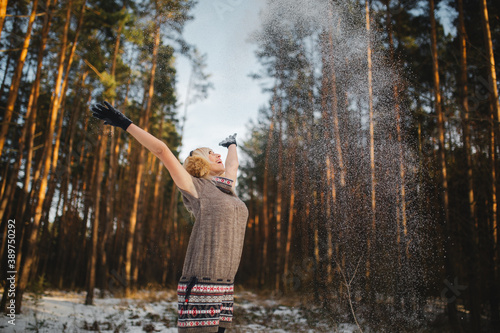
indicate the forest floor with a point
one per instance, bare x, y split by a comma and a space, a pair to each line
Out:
153, 311
156, 311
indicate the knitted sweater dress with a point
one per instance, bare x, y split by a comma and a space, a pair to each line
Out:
212, 258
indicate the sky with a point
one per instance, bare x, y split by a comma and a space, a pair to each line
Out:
221, 29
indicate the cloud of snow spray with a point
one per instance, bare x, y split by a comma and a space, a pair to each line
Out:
394, 256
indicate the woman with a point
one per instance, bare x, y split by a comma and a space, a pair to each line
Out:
205, 289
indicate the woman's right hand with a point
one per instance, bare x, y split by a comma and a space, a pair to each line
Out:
110, 115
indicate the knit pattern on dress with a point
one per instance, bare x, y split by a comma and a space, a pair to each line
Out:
203, 307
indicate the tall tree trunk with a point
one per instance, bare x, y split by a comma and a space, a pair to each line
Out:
66, 221
46, 163
122, 227
401, 200
471, 225
32, 111
79, 261
331, 137
53, 173
64, 87
142, 216
92, 263
334, 103
495, 105
155, 234
449, 268
279, 199
491, 65
3, 12
16, 79
117, 241
495, 117
371, 237
140, 167
329, 106
265, 202
81, 197
291, 211
491, 267
173, 237
111, 179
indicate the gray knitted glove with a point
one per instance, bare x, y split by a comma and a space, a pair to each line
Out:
228, 141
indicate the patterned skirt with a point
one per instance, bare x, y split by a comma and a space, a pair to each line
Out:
203, 306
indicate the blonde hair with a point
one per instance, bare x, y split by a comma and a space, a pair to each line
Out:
197, 164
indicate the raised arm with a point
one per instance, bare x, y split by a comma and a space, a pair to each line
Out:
180, 176
113, 117
232, 162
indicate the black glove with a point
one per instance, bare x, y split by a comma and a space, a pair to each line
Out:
228, 141
110, 115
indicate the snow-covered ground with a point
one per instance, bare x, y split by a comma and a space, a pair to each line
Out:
155, 311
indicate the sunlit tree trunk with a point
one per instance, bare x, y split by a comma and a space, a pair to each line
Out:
45, 165
495, 117
140, 166
64, 86
495, 104
3, 12
54, 173
450, 271
493, 249
491, 63
371, 237
16, 79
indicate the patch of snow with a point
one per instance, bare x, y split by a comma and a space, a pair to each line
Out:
150, 311
347, 328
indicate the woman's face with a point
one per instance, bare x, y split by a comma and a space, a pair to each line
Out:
216, 165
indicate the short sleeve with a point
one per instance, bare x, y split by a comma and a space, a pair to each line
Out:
192, 204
